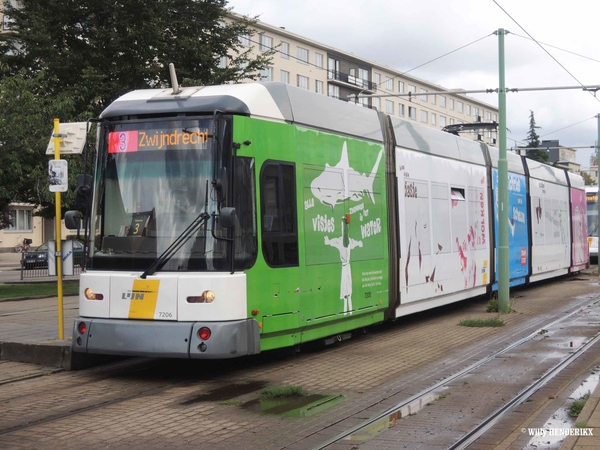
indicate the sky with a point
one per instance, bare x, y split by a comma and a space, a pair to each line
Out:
551, 43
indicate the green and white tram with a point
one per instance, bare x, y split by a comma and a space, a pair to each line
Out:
230, 220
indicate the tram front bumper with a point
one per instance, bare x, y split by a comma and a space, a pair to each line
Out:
166, 339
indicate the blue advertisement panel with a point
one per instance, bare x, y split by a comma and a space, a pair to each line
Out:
518, 242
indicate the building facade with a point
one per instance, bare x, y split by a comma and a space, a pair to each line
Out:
564, 157
325, 70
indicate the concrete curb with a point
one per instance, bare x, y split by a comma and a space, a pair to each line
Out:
584, 416
52, 354
36, 297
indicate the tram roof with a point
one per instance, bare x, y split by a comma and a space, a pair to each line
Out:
418, 137
545, 172
513, 161
267, 100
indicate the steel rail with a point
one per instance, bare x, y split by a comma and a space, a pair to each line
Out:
521, 397
445, 381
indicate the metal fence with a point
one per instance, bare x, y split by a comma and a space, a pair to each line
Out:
35, 265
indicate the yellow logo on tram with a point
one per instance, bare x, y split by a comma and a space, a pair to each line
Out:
144, 296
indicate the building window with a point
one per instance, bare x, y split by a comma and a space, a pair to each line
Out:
401, 87
401, 109
333, 91
442, 101
266, 74
318, 60
424, 117
303, 82
442, 121
319, 87
278, 214
451, 121
488, 116
333, 69
222, 62
412, 89
266, 43
432, 99
284, 76
495, 117
364, 102
433, 117
452, 104
245, 40
389, 107
302, 55
412, 113
21, 220
423, 97
389, 83
468, 110
376, 103
363, 74
284, 50
475, 112
377, 79
459, 107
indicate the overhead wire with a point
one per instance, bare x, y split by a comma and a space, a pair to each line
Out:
542, 47
568, 126
557, 48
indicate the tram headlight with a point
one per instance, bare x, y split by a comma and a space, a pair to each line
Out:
90, 295
206, 297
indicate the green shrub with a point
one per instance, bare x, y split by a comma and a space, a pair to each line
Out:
576, 407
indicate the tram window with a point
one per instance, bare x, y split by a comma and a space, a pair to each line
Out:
278, 214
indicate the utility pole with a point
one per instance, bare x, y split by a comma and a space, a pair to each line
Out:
598, 165
503, 253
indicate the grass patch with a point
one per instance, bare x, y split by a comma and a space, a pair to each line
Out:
36, 289
492, 305
576, 407
582, 424
285, 391
241, 383
479, 323
230, 403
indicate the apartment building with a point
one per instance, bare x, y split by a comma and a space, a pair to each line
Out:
564, 157
325, 70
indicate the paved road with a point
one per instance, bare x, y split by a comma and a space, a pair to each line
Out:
147, 404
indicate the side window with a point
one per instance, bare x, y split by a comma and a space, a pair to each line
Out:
278, 214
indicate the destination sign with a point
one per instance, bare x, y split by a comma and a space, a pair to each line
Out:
165, 139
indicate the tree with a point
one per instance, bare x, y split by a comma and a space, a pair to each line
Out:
25, 131
587, 179
99, 49
72, 59
533, 141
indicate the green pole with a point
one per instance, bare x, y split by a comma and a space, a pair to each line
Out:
598, 190
503, 270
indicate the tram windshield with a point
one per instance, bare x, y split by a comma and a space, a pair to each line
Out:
592, 212
153, 179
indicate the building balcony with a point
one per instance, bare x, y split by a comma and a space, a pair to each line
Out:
351, 81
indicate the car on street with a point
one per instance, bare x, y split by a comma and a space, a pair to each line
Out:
38, 258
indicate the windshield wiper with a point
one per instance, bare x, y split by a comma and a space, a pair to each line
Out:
176, 244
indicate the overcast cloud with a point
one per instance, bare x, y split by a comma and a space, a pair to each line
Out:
404, 34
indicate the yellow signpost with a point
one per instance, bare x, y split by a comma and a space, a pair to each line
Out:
58, 256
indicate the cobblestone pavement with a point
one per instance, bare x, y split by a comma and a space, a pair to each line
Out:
140, 408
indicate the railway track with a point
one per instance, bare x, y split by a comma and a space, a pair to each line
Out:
111, 393
424, 396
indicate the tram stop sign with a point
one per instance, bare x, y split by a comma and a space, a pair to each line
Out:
58, 175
